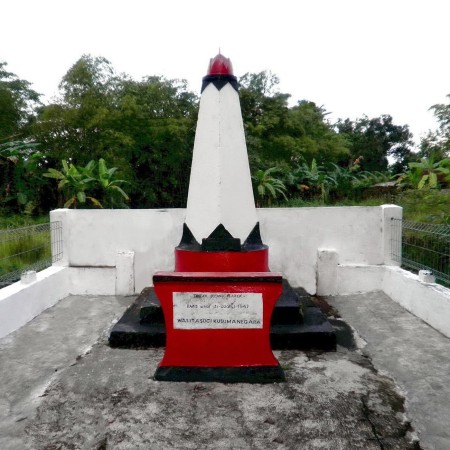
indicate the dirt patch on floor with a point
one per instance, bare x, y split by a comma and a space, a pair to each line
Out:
109, 400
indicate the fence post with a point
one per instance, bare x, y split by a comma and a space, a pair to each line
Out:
392, 234
62, 215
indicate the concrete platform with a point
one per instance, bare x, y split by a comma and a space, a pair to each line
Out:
64, 387
413, 353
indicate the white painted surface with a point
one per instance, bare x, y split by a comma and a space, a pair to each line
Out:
294, 235
355, 279
92, 281
217, 310
220, 189
430, 302
327, 264
357, 237
427, 276
124, 273
93, 238
30, 276
19, 303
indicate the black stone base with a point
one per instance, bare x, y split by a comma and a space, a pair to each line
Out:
258, 374
296, 323
142, 324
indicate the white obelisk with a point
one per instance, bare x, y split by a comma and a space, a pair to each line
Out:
220, 189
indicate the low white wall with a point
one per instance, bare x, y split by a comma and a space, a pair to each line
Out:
428, 301
93, 238
331, 251
19, 303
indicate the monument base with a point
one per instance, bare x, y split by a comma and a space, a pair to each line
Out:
142, 325
257, 374
217, 319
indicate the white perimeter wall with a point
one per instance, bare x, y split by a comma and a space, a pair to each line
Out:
357, 235
328, 251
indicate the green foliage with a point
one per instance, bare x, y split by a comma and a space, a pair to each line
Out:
80, 184
313, 180
427, 174
21, 166
113, 195
268, 187
436, 144
426, 205
20, 220
373, 140
278, 135
17, 104
144, 128
26, 249
74, 182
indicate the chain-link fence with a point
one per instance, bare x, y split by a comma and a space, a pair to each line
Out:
424, 246
28, 248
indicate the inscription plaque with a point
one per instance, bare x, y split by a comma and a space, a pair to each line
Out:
216, 310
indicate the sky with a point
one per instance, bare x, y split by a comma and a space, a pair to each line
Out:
353, 57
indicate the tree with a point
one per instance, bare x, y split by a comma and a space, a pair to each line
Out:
21, 166
314, 137
145, 128
436, 144
373, 140
17, 105
79, 125
279, 135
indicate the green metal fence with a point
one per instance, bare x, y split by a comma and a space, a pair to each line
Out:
28, 248
424, 246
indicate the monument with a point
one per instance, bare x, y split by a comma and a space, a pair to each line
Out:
218, 302
221, 311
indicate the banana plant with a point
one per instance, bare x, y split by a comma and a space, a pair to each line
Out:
315, 178
74, 182
109, 184
427, 174
267, 186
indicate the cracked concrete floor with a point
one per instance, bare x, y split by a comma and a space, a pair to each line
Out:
70, 390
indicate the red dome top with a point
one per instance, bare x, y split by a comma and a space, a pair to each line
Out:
219, 65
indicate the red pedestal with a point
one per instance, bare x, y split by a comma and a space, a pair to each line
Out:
233, 331
252, 261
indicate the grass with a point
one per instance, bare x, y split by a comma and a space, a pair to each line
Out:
23, 250
428, 205
20, 220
